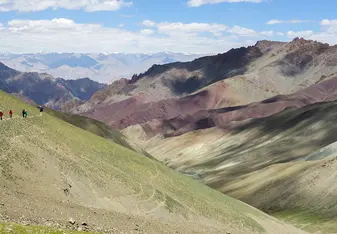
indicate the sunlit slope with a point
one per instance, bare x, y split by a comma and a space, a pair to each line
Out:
98, 128
285, 163
28, 229
52, 170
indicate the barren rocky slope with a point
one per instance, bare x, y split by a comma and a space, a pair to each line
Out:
248, 75
284, 164
324, 91
135, 110
58, 175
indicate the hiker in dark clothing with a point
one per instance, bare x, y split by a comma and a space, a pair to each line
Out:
24, 113
10, 113
41, 109
1, 114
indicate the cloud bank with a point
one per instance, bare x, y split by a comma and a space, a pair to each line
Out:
198, 3
65, 35
40, 5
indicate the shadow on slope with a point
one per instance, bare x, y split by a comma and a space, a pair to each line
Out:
320, 92
214, 68
276, 164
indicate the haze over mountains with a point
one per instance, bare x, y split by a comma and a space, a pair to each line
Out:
43, 89
101, 67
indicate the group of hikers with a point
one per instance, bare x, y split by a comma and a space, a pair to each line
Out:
24, 113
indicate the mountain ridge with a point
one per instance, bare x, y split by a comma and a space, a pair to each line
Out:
262, 71
43, 89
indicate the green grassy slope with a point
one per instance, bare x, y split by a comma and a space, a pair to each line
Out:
52, 169
91, 125
22, 229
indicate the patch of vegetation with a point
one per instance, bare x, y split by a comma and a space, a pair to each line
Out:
96, 127
91, 125
310, 222
174, 206
21, 229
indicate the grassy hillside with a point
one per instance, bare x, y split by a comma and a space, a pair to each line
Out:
22, 229
52, 171
284, 164
97, 128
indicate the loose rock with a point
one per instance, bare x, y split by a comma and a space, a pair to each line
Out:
71, 221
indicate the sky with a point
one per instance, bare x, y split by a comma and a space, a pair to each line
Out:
149, 26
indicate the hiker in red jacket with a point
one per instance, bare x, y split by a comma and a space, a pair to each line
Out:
10, 113
1, 114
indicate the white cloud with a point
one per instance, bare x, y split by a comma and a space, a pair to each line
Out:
276, 21
327, 22
267, 33
44, 25
197, 3
247, 32
327, 34
178, 27
218, 30
40, 5
149, 23
65, 35
147, 31
242, 31
307, 33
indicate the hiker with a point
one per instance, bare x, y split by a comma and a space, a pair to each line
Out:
10, 113
41, 109
24, 113
1, 114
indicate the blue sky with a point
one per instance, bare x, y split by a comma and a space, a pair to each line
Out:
188, 26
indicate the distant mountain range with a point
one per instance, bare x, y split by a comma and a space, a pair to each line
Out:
175, 93
102, 67
44, 89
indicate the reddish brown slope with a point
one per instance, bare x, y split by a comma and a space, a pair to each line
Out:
135, 110
321, 92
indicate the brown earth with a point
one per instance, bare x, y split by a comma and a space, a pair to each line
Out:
207, 118
136, 110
